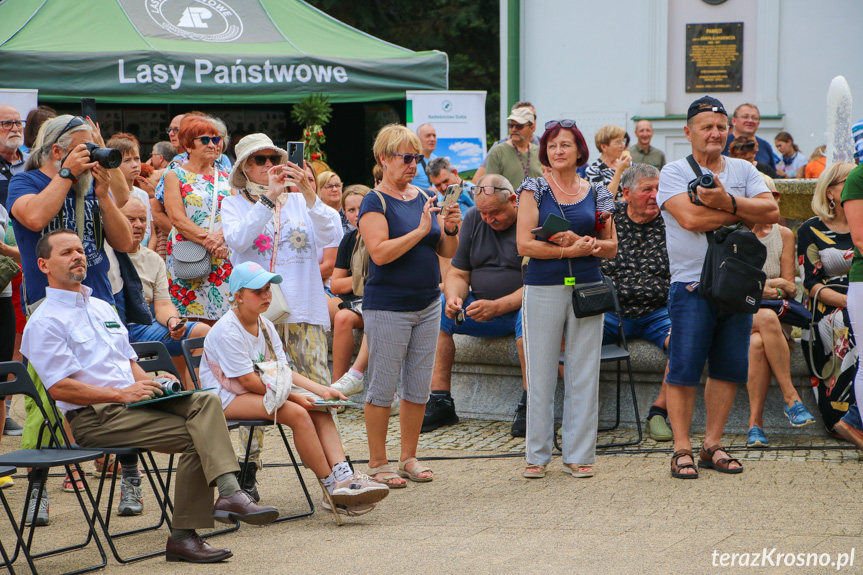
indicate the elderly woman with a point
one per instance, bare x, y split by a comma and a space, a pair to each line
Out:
768, 347
852, 194
404, 234
613, 158
824, 252
193, 194
330, 190
556, 264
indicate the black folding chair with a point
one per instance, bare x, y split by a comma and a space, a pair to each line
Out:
6, 472
58, 454
192, 363
616, 353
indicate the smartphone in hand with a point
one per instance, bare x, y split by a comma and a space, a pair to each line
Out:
88, 109
296, 153
451, 196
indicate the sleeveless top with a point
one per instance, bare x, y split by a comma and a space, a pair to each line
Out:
773, 242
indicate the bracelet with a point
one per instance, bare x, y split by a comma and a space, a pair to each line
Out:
453, 233
560, 257
168, 321
779, 291
733, 203
268, 203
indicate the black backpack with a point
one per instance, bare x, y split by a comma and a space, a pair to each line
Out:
732, 278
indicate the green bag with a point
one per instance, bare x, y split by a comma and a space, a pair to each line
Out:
8, 270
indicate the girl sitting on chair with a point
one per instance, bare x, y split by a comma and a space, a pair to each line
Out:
242, 338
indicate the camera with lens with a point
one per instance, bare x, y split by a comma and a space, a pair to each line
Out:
169, 386
107, 157
705, 181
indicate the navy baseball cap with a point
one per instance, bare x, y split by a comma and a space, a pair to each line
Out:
705, 104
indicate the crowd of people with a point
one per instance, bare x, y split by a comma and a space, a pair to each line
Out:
262, 257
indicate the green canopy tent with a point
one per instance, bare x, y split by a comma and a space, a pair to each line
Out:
201, 52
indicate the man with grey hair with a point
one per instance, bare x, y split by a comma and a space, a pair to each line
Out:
12, 159
641, 276
428, 142
63, 188
482, 291
163, 153
442, 174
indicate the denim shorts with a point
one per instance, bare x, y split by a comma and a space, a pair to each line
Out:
160, 333
701, 334
652, 327
500, 326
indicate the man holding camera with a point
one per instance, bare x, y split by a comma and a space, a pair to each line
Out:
79, 347
700, 333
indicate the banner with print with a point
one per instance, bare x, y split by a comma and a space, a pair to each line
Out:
459, 121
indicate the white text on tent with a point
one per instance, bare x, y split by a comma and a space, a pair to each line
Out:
234, 74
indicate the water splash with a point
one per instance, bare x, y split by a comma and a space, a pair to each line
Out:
840, 144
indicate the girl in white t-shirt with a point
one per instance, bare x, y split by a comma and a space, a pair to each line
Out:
242, 338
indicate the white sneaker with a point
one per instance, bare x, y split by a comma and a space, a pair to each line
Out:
348, 384
349, 510
358, 489
396, 406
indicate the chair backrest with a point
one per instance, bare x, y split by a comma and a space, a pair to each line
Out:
22, 384
193, 361
154, 356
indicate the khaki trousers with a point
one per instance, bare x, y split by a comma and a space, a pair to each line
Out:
193, 426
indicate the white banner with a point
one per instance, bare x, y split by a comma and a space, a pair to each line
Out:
21, 99
459, 121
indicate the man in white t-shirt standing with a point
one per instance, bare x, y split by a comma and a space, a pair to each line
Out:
699, 332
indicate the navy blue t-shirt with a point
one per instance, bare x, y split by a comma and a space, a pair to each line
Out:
410, 283
35, 281
582, 218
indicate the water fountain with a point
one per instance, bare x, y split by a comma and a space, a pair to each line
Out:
840, 144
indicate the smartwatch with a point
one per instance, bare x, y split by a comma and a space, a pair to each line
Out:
67, 173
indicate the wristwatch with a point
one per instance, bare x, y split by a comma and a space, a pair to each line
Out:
67, 173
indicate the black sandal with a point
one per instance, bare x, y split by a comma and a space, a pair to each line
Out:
705, 459
676, 468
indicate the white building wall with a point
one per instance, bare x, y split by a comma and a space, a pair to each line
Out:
607, 62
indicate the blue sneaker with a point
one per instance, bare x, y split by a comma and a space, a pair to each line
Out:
798, 415
756, 437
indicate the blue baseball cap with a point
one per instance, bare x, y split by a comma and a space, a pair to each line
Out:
250, 275
705, 104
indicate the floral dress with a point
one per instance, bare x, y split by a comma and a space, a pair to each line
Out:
824, 256
205, 298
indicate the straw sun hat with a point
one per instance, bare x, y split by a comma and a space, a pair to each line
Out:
245, 148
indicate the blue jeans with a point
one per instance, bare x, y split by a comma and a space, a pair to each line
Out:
653, 327
160, 333
700, 333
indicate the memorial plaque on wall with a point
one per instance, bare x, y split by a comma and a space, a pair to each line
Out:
714, 57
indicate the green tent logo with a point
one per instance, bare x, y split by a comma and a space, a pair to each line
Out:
201, 20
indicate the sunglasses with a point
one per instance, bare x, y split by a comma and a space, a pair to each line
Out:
840, 182
744, 146
71, 124
561, 123
205, 140
489, 190
408, 158
516, 126
262, 160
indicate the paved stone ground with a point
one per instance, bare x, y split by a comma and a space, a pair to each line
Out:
481, 516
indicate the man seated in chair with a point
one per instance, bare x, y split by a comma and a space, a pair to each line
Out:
81, 351
641, 276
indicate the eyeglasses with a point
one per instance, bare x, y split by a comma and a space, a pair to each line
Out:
172, 130
8, 124
516, 126
333, 186
259, 160
490, 190
837, 183
205, 140
561, 123
408, 158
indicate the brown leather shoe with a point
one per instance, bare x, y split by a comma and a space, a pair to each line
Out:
193, 549
241, 507
848, 433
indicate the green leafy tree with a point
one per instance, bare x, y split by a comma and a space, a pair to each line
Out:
313, 112
467, 30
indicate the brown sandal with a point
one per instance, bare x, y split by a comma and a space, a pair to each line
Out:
705, 459
676, 468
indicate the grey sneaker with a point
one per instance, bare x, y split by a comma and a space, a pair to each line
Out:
131, 497
39, 517
12, 427
358, 489
349, 510
348, 384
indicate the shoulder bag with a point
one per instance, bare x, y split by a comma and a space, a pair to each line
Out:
279, 311
192, 261
592, 298
732, 278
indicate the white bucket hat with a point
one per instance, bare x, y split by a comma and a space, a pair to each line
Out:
245, 148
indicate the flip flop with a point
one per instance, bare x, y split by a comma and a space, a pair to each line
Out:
579, 469
390, 474
538, 474
415, 474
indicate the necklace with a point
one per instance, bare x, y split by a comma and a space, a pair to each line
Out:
404, 196
520, 161
577, 179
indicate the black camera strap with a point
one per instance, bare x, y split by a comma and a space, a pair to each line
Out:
694, 165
